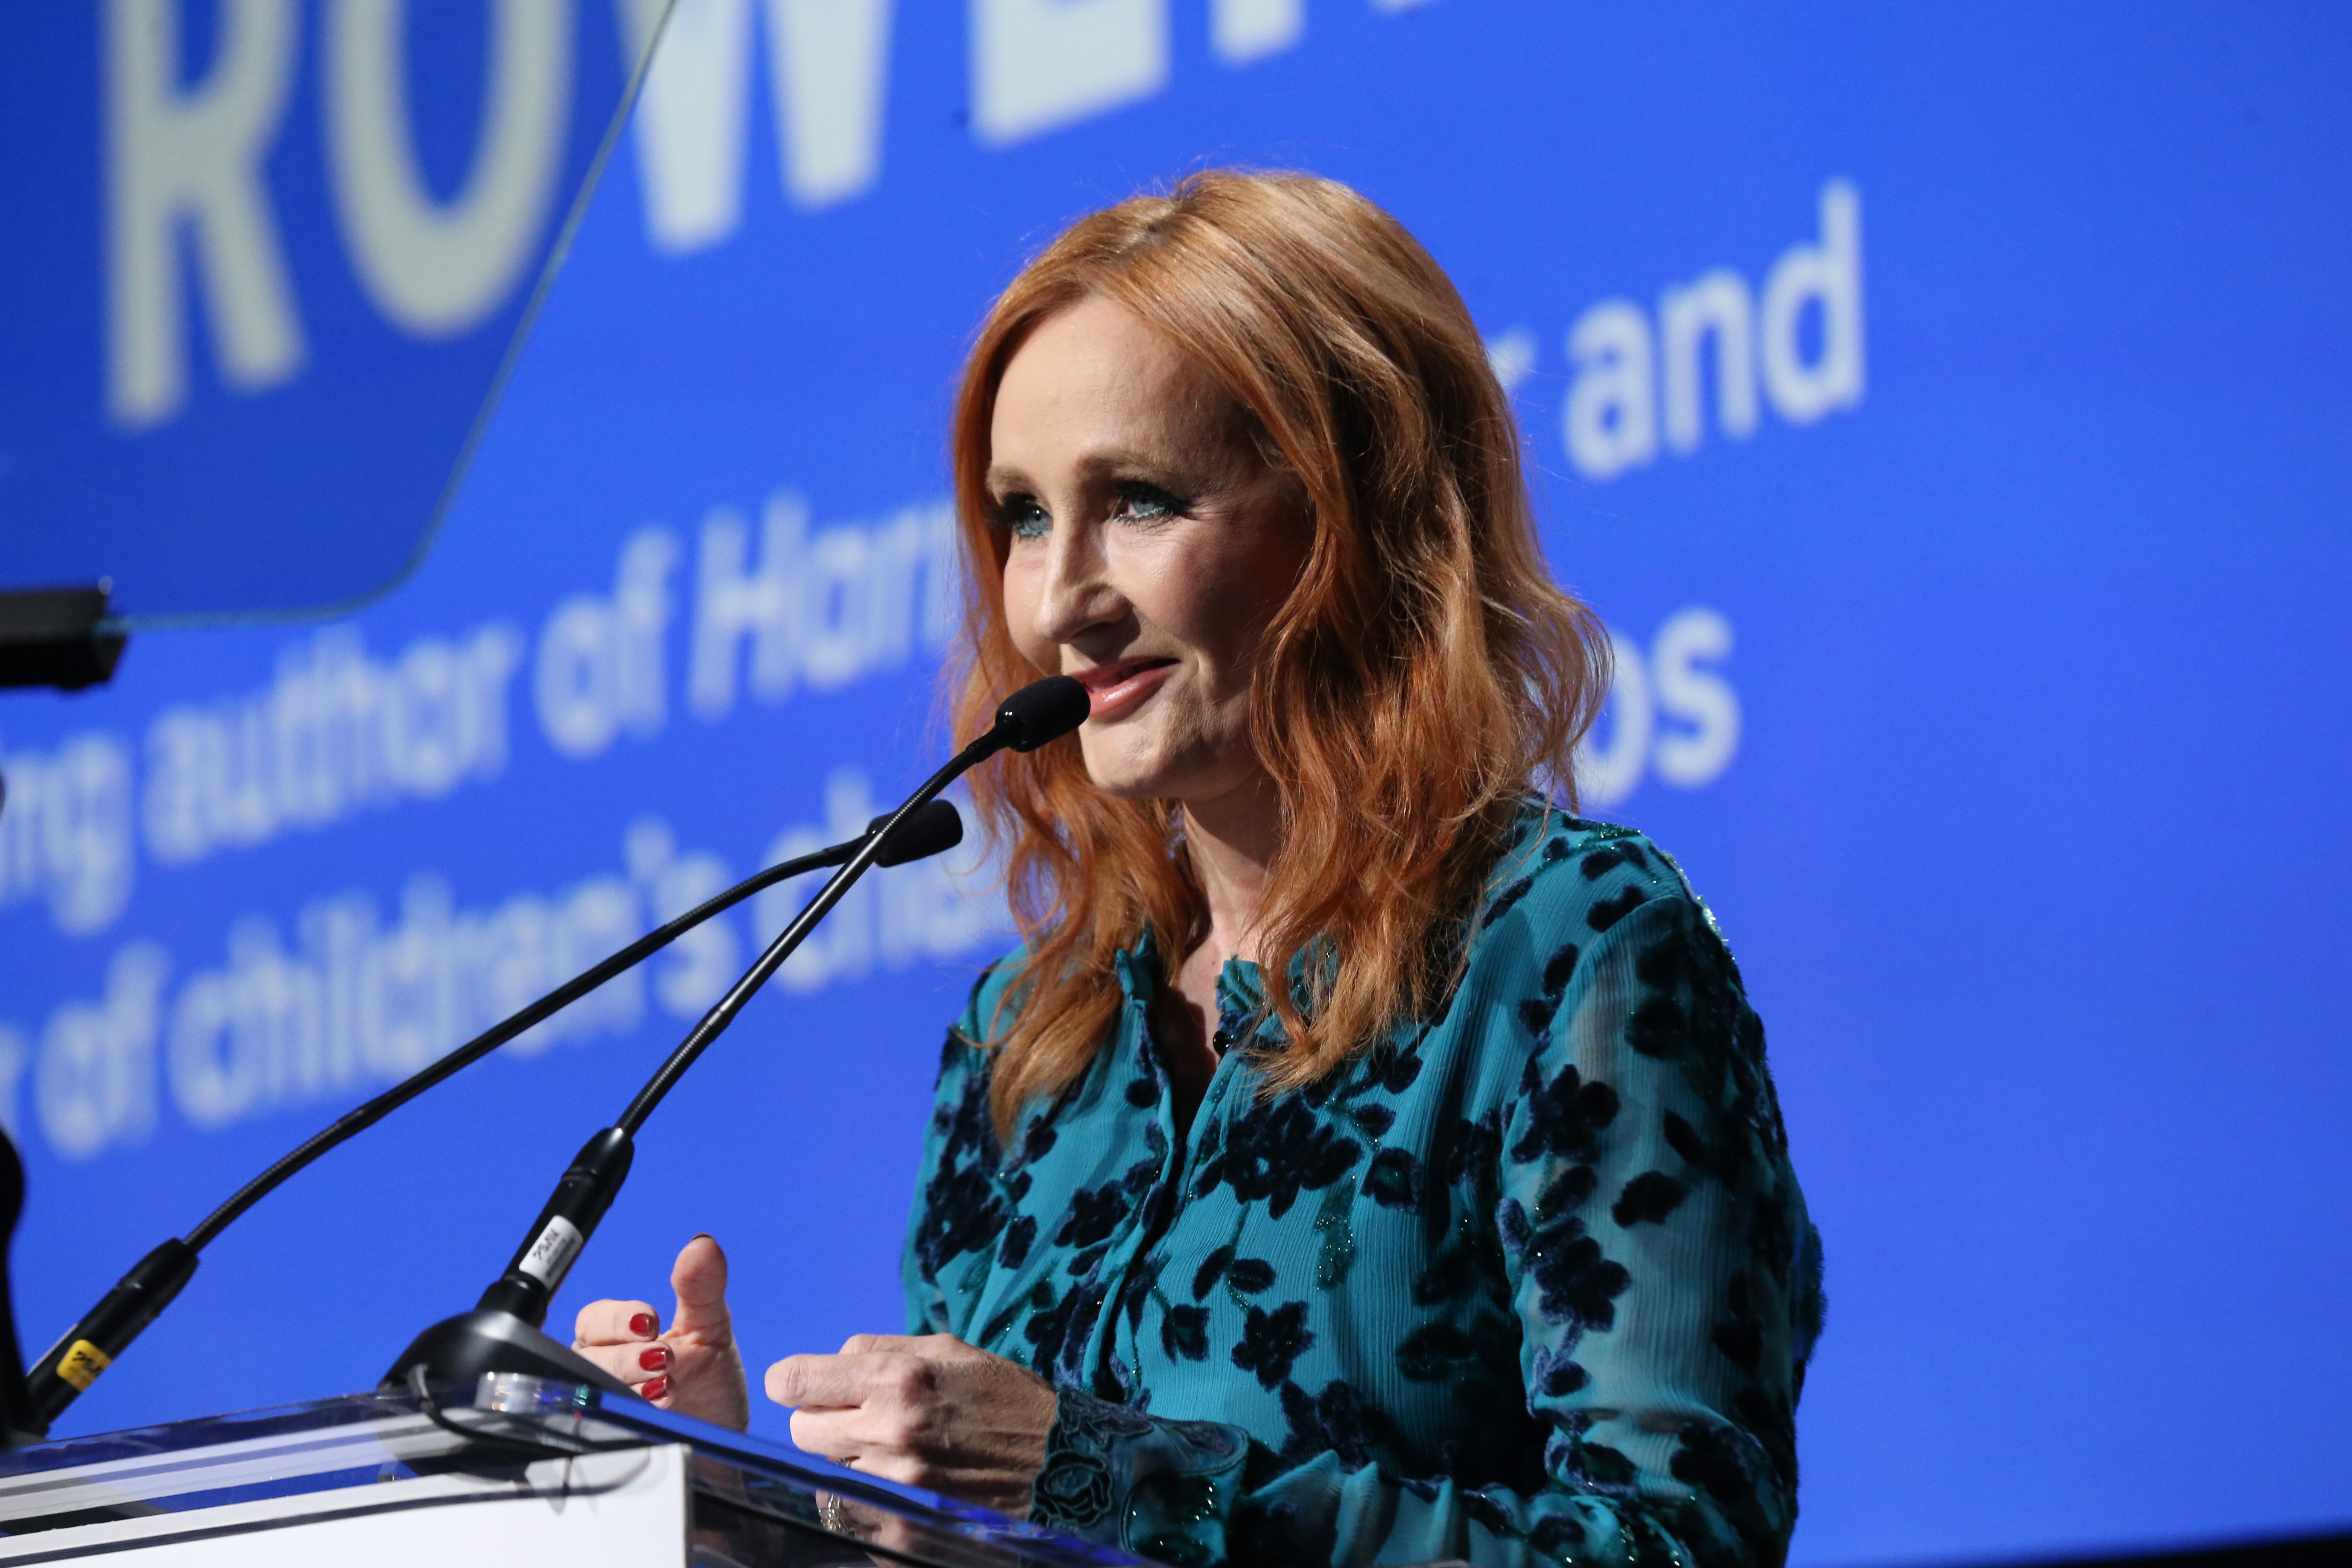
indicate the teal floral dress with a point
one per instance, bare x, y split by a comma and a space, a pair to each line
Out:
1529, 1282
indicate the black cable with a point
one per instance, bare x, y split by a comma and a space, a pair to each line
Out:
531, 1443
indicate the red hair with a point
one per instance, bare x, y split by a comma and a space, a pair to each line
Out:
1427, 671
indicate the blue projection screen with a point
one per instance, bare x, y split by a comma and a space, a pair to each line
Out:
1945, 404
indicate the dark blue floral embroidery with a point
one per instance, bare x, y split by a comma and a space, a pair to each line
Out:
1609, 857
1536, 1011
1184, 1333
1038, 1142
1722, 1461
1250, 1275
1049, 1325
1393, 1180
1212, 1270
1018, 1237
1648, 1199
1565, 1117
1391, 1071
1557, 1375
962, 1209
1434, 1351
1579, 1286
1335, 1420
1506, 901
1274, 1151
1739, 1333
1472, 1151
1609, 912
1272, 1341
1094, 1215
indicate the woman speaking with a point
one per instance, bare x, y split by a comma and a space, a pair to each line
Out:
1361, 1157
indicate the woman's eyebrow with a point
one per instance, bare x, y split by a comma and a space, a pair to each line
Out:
1110, 465
1180, 468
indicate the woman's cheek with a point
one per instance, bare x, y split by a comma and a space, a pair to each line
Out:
1195, 599
1223, 625
1021, 589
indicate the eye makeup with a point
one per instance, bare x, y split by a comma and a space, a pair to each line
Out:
1147, 502
1022, 517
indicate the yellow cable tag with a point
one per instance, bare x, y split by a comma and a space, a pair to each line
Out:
81, 1364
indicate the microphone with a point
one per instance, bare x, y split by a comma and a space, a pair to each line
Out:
106, 1331
502, 1333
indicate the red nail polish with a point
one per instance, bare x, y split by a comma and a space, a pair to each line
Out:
657, 1389
654, 1358
644, 1324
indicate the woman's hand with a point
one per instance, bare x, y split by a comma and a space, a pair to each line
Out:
930, 1412
695, 1368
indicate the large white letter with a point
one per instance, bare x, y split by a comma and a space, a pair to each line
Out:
87, 826
1699, 696
577, 677
193, 157
1717, 303
1611, 421
1245, 30
1832, 274
827, 68
732, 603
1039, 64
434, 269
67, 831
688, 123
600, 660
96, 1081
828, 62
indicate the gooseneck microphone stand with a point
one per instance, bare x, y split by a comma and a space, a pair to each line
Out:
106, 1331
502, 1333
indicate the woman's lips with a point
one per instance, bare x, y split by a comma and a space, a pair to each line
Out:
1116, 690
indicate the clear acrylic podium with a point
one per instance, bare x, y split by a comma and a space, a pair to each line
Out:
515, 1469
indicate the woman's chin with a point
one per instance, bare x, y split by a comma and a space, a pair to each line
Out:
1130, 772
1123, 784
1192, 780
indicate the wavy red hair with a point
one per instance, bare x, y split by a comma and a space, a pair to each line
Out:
1423, 674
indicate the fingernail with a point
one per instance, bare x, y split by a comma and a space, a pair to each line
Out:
656, 1389
644, 1324
654, 1358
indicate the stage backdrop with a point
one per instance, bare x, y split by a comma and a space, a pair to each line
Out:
1944, 404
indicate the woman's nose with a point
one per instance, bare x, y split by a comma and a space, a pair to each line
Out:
1075, 594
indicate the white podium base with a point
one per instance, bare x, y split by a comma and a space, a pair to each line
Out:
512, 1470
626, 1510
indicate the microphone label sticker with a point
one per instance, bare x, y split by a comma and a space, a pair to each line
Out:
549, 1258
82, 1363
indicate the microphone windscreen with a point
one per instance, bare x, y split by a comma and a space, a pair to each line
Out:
1043, 711
932, 828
